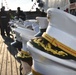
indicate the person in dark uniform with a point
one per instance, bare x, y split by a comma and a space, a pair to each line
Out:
10, 14
4, 22
10, 17
20, 14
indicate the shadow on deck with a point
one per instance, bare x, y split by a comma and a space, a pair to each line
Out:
9, 65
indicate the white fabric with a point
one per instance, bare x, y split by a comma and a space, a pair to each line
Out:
62, 26
47, 64
43, 23
33, 23
61, 36
29, 22
62, 20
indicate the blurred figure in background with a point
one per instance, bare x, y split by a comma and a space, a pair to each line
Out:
20, 14
4, 19
10, 17
10, 14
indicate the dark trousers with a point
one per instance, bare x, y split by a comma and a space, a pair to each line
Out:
5, 29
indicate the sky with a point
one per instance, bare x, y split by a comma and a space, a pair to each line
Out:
25, 5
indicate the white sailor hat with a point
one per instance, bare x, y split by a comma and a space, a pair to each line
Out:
62, 27
55, 52
43, 23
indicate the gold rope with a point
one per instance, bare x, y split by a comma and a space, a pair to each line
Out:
23, 54
56, 43
48, 48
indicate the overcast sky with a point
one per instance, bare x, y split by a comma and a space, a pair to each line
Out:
25, 5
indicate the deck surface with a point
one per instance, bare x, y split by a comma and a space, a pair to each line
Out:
9, 65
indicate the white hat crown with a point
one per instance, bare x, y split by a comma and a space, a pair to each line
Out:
43, 23
62, 26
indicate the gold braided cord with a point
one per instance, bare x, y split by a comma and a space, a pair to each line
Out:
23, 54
56, 43
48, 48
